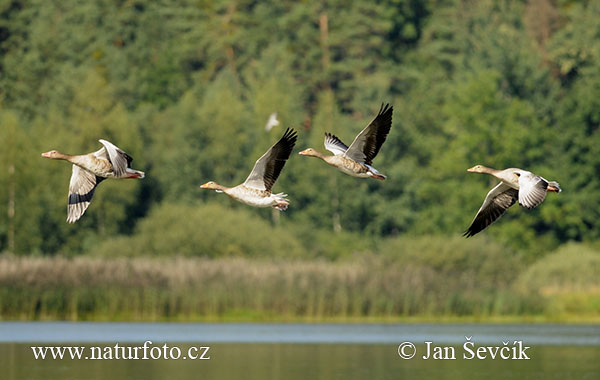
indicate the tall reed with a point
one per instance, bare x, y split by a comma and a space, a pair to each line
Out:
188, 289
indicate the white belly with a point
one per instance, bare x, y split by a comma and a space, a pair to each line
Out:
251, 198
354, 174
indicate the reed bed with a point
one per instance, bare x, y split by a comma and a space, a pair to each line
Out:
191, 289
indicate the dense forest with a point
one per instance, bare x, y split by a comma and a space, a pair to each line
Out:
186, 87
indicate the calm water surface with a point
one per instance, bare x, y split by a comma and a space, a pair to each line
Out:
300, 351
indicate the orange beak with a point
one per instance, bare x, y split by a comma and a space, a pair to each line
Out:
304, 152
205, 186
47, 154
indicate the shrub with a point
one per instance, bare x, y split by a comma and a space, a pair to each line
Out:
568, 280
207, 230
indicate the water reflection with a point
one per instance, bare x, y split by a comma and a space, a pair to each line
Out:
307, 361
300, 351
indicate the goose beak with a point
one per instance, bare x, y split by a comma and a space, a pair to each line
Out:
303, 153
47, 154
205, 186
471, 170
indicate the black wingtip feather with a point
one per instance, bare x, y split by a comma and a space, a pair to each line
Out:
383, 120
385, 108
288, 140
280, 152
471, 232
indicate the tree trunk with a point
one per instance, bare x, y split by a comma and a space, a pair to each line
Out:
11, 208
325, 61
275, 215
324, 28
335, 204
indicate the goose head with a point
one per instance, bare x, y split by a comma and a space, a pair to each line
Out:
310, 152
54, 154
477, 169
211, 185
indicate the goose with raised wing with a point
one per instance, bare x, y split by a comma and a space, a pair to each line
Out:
256, 190
515, 184
91, 169
357, 159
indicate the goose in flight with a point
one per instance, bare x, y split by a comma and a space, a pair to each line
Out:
91, 169
272, 122
516, 184
356, 160
256, 190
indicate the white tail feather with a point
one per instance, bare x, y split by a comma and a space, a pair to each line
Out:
132, 173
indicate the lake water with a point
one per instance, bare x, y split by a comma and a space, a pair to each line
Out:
298, 351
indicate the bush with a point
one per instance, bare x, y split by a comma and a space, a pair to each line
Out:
568, 280
207, 230
456, 275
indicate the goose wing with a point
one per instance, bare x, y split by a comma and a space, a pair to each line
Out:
334, 144
81, 190
119, 159
267, 168
497, 201
366, 145
102, 154
532, 189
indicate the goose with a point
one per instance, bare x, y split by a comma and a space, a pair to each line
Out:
356, 160
515, 184
272, 122
91, 169
256, 190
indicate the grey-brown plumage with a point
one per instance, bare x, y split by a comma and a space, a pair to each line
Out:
91, 169
516, 184
532, 191
366, 145
498, 200
256, 190
268, 167
356, 160
81, 190
334, 144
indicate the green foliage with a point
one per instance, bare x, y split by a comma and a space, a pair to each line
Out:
206, 230
567, 280
569, 47
191, 289
573, 267
186, 87
409, 277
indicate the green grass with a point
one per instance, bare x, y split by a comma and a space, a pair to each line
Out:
398, 287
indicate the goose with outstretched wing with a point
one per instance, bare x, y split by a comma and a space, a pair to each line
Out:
516, 185
357, 159
91, 169
256, 190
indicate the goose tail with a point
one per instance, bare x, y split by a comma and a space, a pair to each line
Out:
553, 186
131, 173
373, 173
282, 202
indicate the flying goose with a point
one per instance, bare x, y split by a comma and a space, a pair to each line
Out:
357, 159
256, 190
91, 169
272, 122
516, 184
